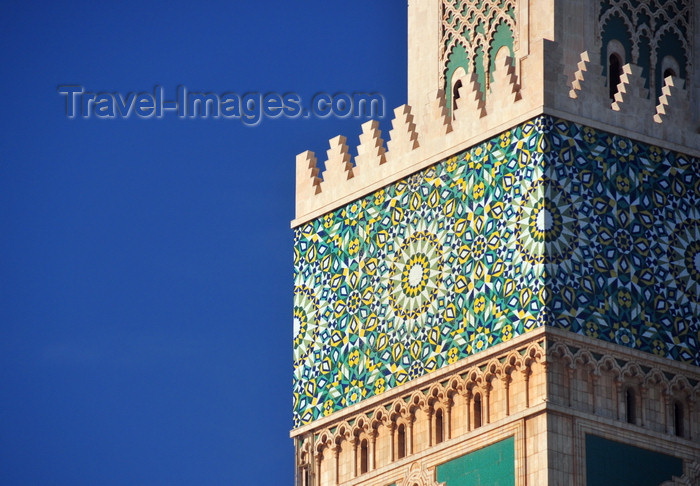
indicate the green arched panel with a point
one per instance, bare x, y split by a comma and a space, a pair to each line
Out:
502, 37
669, 45
615, 29
458, 58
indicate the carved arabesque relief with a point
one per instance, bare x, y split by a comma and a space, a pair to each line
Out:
691, 476
651, 20
418, 475
473, 25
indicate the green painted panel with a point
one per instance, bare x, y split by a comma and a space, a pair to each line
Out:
472, 34
616, 29
503, 37
480, 53
493, 465
670, 45
645, 59
614, 463
458, 58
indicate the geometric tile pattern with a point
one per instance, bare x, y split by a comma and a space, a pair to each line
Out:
550, 223
633, 276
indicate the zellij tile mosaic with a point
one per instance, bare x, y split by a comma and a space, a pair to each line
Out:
551, 223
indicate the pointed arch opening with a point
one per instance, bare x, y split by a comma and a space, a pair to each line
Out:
364, 456
439, 427
614, 73
401, 441
631, 405
669, 67
678, 418
477, 411
452, 89
455, 94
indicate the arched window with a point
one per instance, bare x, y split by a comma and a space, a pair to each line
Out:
401, 441
439, 436
678, 418
614, 73
304, 479
455, 94
304, 475
477, 411
631, 406
363, 456
667, 66
452, 88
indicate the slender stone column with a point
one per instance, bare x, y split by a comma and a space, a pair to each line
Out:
526, 376
430, 427
506, 384
355, 441
486, 409
448, 419
392, 429
468, 400
336, 461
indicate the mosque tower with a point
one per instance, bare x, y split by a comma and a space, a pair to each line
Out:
507, 292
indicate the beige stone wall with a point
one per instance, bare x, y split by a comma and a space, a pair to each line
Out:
536, 448
588, 381
595, 380
560, 453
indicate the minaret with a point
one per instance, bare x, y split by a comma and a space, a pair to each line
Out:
507, 292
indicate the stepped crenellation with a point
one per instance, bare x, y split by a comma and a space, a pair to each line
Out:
671, 90
418, 136
631, 87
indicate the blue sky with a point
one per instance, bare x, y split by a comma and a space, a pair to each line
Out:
146, 269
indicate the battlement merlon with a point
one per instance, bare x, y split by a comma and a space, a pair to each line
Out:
421, 136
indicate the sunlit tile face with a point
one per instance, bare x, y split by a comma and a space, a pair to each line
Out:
550, 223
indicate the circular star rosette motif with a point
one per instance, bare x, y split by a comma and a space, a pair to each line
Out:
684, 257
547, 225
306, 323
416, 274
